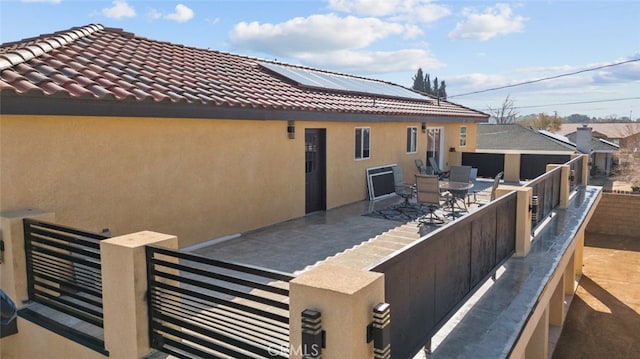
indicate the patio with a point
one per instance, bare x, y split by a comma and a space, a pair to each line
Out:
295, 245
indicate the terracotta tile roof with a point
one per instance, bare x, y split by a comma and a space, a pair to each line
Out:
104, 64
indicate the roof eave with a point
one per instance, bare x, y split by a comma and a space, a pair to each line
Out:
16, 104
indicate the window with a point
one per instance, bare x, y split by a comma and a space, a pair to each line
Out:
363, 142
412, 139
463, 136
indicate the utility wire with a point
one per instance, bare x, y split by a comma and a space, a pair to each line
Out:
578, 103
546, 78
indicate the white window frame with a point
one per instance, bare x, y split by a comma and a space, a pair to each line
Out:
360, 142
412, 139
463, 136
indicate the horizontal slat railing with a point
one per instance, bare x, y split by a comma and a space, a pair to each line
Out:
204, 308
64, 270
427, 282
64, 280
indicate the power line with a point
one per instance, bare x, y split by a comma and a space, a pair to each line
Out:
579, 103
547, 78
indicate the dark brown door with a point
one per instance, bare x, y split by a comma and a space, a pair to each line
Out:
315, 169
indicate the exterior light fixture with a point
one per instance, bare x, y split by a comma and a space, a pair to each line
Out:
533, 208
313, 337
291, 129
379, 331
424, 127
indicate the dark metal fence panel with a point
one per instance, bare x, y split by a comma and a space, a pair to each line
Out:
427, 282
483, 245
547, 188
488, 164
64, 270
203, 308
506, 229
575, 166
532, 166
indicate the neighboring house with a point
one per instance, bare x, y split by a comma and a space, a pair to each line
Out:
108, 129
536, 149
624, 134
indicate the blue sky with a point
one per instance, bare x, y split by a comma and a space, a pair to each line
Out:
472, 45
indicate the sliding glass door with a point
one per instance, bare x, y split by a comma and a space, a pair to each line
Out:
435, 145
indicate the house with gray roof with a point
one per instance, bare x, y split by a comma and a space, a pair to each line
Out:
536, 148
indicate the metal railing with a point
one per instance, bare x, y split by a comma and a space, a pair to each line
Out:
63, 269
204, 308
427, 282
546, 188
575, 174
64, 282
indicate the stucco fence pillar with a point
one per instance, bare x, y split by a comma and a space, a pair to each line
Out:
13, 270
345, 299
523, 216
124, 288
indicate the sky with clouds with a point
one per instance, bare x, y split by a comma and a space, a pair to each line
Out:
589, 50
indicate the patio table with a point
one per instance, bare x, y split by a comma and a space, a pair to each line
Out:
456, 186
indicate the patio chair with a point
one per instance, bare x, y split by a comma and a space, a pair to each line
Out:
436, 170
494, 187
428, 193
474, 176
422, 169
401, 188
496, 182
460, 174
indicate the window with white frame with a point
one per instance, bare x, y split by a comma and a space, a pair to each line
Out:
412, 139
363, 143
463, 136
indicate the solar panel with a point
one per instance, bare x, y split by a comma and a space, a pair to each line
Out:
609, 143
557, 137
325, 80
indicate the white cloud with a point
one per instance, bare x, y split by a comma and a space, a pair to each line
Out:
495, 21
182, 14
372, 62
313, 34
119, 10
154, 14
416, 10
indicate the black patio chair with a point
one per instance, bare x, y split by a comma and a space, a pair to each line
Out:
436, 170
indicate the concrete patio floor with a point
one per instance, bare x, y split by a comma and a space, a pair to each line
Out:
604, 317
297, 244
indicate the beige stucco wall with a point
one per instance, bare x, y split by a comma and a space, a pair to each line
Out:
198, 179
34, 341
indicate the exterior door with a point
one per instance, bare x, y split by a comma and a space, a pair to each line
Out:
434, 146
315, 170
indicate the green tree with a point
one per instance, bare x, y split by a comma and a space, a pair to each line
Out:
442, 91
434, 90
418, 81
542, 121
427, 84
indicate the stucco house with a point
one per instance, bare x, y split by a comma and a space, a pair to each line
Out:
533, 149
108, 129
